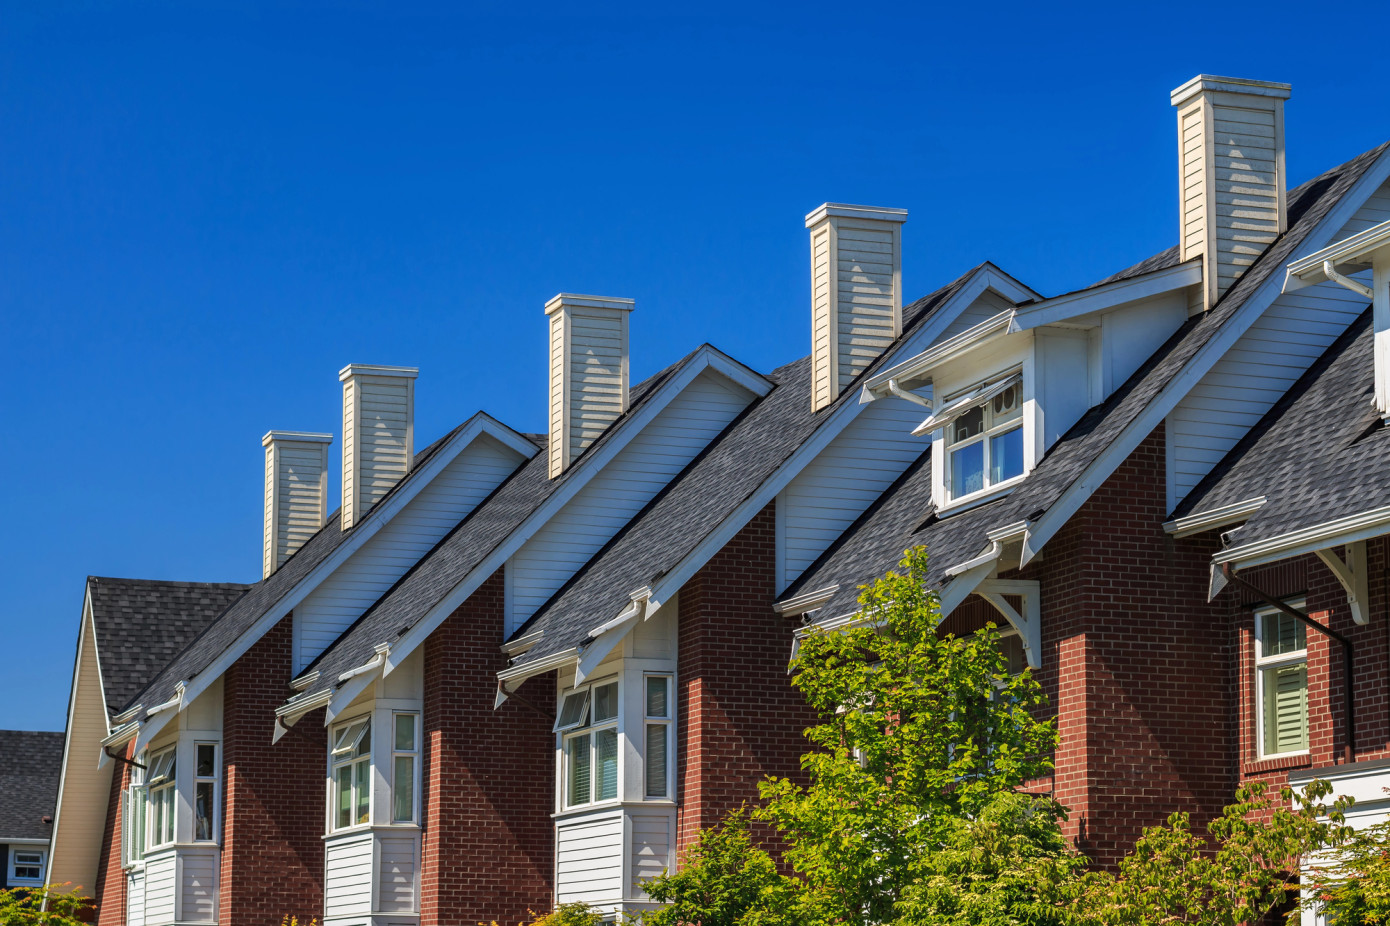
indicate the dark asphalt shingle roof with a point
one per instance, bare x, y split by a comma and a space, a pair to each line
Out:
1320, 454
30, 765
142, 624
904, 516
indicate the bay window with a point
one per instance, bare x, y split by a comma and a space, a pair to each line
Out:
588, 722
404, 766
205, 792
658, 735
134, 808
1281, 683
350, 759
984, 436
163, 797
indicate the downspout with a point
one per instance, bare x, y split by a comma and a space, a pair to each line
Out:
131, 762
1346, 281
1349, 750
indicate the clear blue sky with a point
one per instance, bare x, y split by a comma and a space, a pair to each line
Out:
207, 209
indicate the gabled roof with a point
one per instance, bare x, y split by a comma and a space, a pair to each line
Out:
30, 764
1320, 455
142, 624
1072, 468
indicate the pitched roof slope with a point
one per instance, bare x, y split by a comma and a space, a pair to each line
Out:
905, 516
1322, 452
30, 765
142, 624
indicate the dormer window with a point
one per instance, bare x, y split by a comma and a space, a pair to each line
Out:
983, 429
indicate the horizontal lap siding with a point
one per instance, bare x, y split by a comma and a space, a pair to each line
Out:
630, 480
1244, 164
400, 867
828, 495
199, 886
589, 861
867, 310
160, 888
988, 305
347, 875
821, 316
135, 897
653, 837
557, 393
371, 571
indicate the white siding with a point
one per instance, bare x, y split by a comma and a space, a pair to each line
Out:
868, 311
844, 479
821, 305
328, 610
296, 485
556, 449
347, 875
199, 870
589, 860
135, 897
1276, 350
400, 866
378, 438
160, 887
588, 372
986, 306
652, 845
613, 496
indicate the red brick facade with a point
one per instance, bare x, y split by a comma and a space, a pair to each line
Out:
274, 799
489, 775
109, 891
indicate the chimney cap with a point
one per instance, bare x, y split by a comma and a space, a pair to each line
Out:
847, 211
374, 369
590, 302
1205, 82
306, 436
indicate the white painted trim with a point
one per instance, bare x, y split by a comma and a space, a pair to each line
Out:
1309, 271
1351, 572
1207, 82
306, 437
917, 370
1029, 623
806, 601
1226, 515
1351, 529
1108, 296
847, 211
376, 369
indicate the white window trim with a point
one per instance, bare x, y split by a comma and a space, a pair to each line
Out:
669, 721
956, 407
334, 762
570, 731
154, 791
13, 862
1269, 662
215, 827
415, 784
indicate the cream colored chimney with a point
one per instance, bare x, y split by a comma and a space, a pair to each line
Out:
378, 433
296, 493
1231, 175
856, 292
588, 372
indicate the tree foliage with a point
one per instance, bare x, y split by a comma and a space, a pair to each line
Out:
45, 906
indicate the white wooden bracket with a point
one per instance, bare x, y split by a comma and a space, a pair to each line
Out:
1351, 572
1029, 623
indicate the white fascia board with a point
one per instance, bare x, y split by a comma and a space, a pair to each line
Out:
1200, 363
1226, 515
1351, 529
806, 601
1357, 250
588, 466
414, 483
1109, 296
916, 371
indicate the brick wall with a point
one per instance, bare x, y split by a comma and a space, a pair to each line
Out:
489, 775
273, 821
109, 891
739, 717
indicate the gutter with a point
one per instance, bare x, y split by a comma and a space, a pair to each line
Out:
1361, 526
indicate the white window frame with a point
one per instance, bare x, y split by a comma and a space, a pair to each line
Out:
984, 438
568, 732
340, 757
134, 816
412, 754
669, 723
14, 863
1263, 663
215, 822
164, 791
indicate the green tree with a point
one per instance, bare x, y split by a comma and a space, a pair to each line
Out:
44, 906
1350, 880
724, 880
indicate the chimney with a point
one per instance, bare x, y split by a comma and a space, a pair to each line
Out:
378, 433
588, 372
296, 493
1231, 175
856, 292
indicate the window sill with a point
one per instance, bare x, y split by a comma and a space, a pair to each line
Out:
1277, 763
611, 806
976, 499
365, 828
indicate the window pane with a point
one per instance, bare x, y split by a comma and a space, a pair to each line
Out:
572, 711
364, 790
656, 759
403, 790
606, 747
364, 741
656, 697
967, 425
968, 469
577, 758
157, 800
1006, 455
1282, 633
138, 815
202, 811
1012, 648
343, 804
207, 760
405, 732
605, 702
1007, 405
1286, 709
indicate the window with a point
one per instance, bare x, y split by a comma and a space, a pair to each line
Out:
984, 442
350, 761
160, 785
26, 865
135, 806
205, 793
1281, 683
405, 751
658, 735
588, 722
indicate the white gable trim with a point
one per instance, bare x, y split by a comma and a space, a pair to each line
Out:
588, 466
1108, 296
